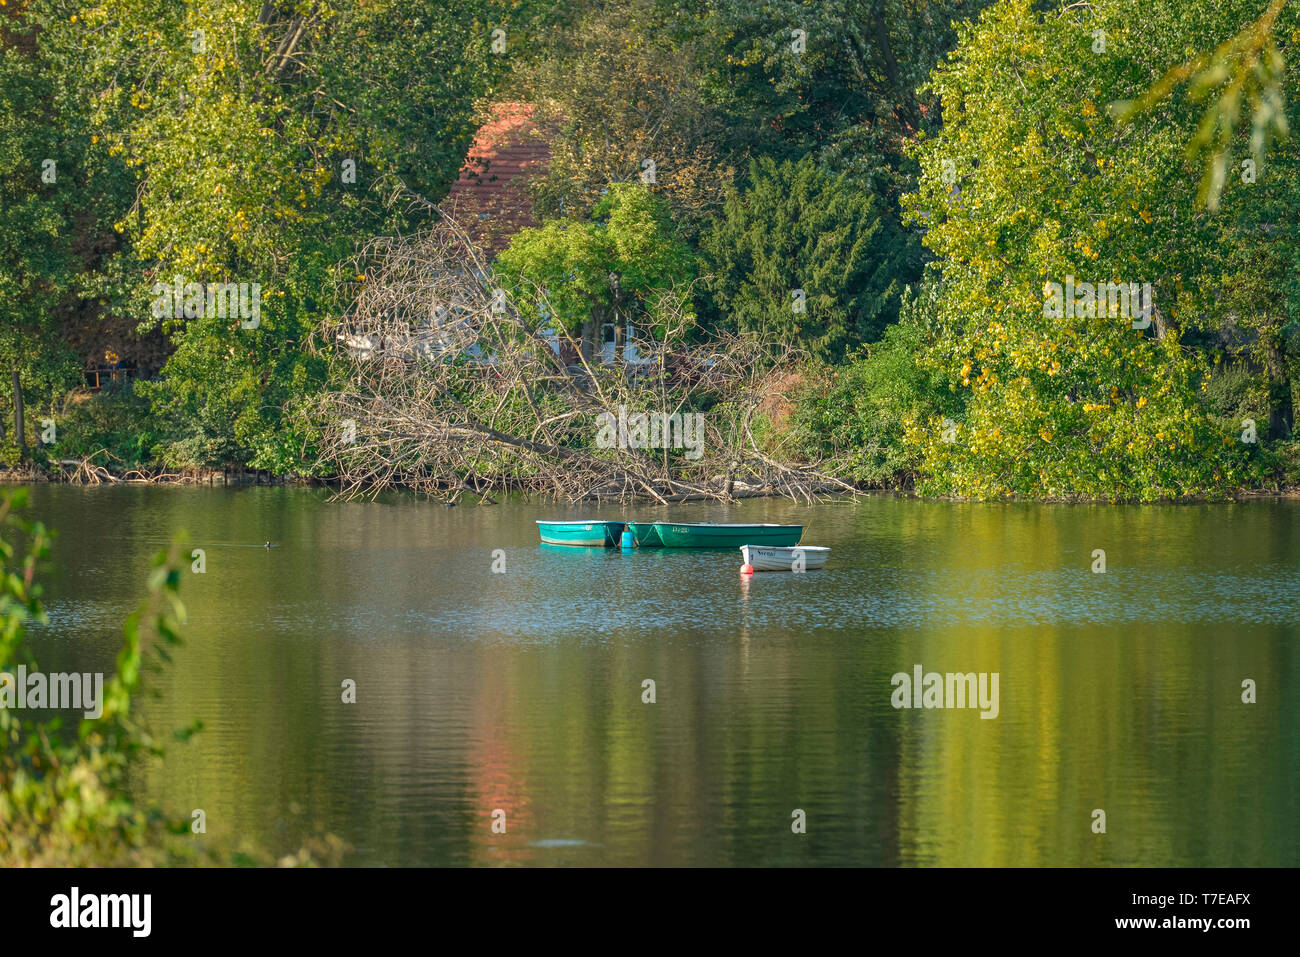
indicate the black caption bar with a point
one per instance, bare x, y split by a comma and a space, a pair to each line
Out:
140, 908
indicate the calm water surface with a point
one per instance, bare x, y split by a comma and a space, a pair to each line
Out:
522, 691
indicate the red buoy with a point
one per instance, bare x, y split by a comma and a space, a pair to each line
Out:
746, 569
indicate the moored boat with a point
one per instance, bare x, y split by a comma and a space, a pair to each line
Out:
582, 532
644, 534
762, 558
726, 535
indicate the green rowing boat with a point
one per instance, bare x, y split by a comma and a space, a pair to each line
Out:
644, 534
720, 535
592, 534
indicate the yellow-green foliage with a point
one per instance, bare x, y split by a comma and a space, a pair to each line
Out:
1030, 182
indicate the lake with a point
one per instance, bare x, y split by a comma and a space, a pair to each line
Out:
521, 691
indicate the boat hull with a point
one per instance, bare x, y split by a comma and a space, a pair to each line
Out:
582, 534
763, 559
706, 535
644, 534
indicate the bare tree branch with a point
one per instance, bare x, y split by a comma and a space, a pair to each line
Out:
442, 384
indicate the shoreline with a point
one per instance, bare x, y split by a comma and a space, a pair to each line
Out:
86, 475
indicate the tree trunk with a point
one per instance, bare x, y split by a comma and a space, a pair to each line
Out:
891, 63
619, 331
1281, 410
20, 436
1163, 324
591, 339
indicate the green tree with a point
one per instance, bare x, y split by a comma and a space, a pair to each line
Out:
809, 258
1031, 183
622, 100
615, 267
267, 139
50, 192
1257, 322
838, 78
1245, 71
1254, 321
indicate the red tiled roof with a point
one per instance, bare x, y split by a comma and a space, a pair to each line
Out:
491, 198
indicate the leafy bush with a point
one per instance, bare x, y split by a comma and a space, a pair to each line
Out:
1282, 460
64, 799
1233, 392
115, 426
856, 415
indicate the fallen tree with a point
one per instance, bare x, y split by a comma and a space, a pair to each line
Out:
443, 382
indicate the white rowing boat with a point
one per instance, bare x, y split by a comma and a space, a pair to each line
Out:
769, 558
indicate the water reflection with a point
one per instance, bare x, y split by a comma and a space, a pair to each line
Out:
522, 691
